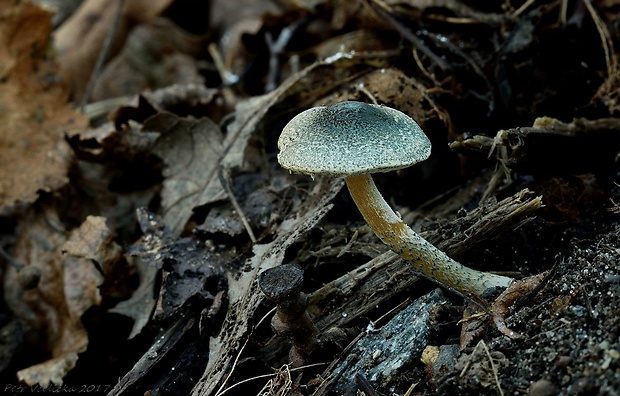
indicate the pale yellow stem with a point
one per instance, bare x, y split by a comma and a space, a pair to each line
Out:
426, 258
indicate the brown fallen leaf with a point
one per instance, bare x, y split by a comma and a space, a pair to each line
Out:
192, 151
79, 40
476, 321
93, 240
49, 374
156, 54
33, 107
51, 311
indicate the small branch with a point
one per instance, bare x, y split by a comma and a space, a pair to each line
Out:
224, 175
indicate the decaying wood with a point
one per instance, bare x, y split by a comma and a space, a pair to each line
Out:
550, 144
486, 223
245, 296
354, 295
170, 343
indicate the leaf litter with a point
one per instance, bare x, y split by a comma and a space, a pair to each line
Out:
149, 225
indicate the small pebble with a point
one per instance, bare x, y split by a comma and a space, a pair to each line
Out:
542, 387
563, 361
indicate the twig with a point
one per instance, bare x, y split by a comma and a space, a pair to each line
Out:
228, 78
610, 58
524, 7
224, 175
276, 47
563, 12
422, 68
232, 370
493, 368
219, 393
364, 90
384, 10
364, 385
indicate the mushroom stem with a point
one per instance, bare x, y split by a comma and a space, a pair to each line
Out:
426, 258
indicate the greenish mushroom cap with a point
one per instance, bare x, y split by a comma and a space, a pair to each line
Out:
350, 138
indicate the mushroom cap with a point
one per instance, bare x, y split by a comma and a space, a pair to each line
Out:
350, 138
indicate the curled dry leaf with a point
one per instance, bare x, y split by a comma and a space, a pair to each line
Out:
50, 373
52, 311
33, 107
93, 240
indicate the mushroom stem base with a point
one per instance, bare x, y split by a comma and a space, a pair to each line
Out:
425, 258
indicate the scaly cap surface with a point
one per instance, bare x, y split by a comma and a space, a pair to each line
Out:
350, 138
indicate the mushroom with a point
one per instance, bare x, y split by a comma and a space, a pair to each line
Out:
355, 139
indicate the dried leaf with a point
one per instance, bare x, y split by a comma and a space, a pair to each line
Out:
156, 54
52, 311
192, 151
50, 373
356, 41
302, 89
236, 20
190, 268
93, 240
79, 40
392, 87
33, 108
259, 208
141, 304
194, 267
149, 253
